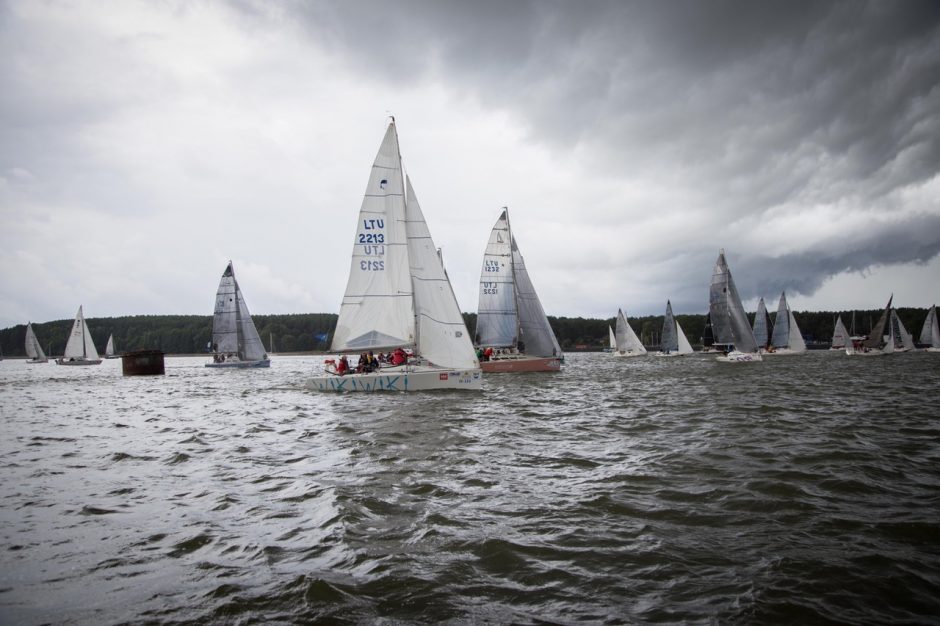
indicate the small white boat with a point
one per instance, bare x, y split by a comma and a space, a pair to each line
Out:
733, 333
512, 329
235, 340
787, 338
840, 336
398, 295
80, 349
930, 333
109, 349
33, 349
628, 344
673, 341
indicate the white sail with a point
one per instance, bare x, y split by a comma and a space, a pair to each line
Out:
442, 335
377, 312
33, 349
840, 336
613, 338
684, 346
80, 344
233, 331
902, 339
109, 349
762, 325
510, 314
930, 333
627, 341
786, 335
729, 321
497, 316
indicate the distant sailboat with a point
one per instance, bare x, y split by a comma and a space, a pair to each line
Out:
787, 338
612, 341
628, 344
876, 343
840, 336
708, 334
512, 328
930, 333
762, 326
903, 341
80, 349
33, 349
398, 296
729, 321
673, 341
109, 349
235, 340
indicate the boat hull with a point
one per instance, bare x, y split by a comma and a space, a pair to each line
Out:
625, 355
783, 352
37, 360
400, 379
521, 363
64, 361
739, 357
671, 354
240, 364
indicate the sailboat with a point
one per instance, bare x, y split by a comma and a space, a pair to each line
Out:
512, 329
612, 343
903, 342
930, 333
673, 341
109, 349
235, 340
708, 334
762, 326
628, 344
398, 295
80, 349
840, 336
732, 331
786, 338
876, 343
33, 349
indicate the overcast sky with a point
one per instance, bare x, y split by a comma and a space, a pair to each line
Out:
144, 144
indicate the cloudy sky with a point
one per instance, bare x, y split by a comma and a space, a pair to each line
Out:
144, 144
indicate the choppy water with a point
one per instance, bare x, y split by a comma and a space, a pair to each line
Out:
801, 490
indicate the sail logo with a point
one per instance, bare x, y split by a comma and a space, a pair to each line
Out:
489, 288
444, 376
491, 266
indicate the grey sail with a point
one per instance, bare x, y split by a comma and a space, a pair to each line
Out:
535, 333
762, 325
781, 336
930, 333
876, 338
233, 331
33, 349
669, 341
729, 321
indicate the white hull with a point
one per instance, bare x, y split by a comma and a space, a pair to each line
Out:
77, 361
628, 353
409, 378
869, 352
670, 354
739, 357
37, 360
241, 364
931, 349
783, 352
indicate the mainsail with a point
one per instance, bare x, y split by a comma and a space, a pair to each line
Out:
613, 338
80, 344
762, 325
876, 338
233, 331
786, 332
377, 312
33, 349
109, 349
902, 339
930, 333
729, 321
840, 336
669, 341
510, 313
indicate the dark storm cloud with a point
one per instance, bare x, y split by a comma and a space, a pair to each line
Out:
752, 105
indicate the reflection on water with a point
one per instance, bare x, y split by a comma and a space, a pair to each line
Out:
800, 489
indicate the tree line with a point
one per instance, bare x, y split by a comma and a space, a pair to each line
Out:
309, 332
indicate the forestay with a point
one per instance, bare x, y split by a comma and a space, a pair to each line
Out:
377, 310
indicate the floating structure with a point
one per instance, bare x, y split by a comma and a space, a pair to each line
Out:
235, 340
142, 363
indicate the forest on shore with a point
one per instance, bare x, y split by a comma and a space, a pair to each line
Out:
311, 332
